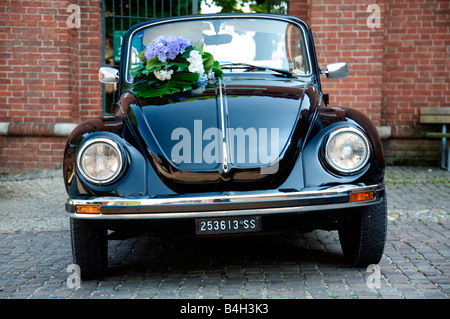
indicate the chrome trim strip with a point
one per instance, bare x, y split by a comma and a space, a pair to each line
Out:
250, 204
224, 127
240, 212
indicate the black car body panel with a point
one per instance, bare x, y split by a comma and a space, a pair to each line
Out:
181, 158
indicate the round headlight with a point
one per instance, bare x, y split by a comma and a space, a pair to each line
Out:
347, 150
100, 160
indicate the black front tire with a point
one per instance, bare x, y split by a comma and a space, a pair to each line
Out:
363, 235
89, 248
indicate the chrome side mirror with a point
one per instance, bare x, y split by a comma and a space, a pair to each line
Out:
336, 70
108, 75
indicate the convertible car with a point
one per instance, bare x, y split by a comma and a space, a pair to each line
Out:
221, 127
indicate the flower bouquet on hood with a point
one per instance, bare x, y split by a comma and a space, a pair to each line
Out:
172, 64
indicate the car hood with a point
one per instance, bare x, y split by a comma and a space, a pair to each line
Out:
241, 133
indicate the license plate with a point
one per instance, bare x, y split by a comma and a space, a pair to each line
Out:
227, 225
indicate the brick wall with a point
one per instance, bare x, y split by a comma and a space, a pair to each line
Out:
342, 35
416, 59
396, 67
49, 75
416, 73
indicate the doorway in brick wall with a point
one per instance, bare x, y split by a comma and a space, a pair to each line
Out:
119, 15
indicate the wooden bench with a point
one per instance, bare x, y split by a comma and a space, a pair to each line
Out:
438, 115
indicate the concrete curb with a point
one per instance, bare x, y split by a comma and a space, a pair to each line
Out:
36, 129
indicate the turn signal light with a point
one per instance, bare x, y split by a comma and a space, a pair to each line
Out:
88, 209
358, 197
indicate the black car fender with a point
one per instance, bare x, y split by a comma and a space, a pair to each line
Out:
127, 184
328, 120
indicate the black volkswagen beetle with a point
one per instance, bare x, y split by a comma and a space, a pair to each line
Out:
222, 128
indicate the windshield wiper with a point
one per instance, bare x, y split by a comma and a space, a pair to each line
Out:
251, 67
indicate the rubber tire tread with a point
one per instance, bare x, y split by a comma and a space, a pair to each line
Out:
363, 237
89, 248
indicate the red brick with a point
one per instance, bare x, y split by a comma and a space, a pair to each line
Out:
41, 85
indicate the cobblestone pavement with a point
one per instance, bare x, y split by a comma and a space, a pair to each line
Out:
35, 252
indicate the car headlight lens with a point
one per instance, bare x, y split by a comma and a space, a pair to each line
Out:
100, 160
347, 150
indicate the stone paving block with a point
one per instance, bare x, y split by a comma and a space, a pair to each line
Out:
415, 264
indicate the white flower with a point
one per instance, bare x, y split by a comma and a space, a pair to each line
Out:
195, 62
211, 75
163, 75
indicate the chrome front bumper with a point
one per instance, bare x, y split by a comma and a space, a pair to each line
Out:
227, 203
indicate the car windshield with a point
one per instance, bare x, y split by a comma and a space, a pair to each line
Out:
235, 43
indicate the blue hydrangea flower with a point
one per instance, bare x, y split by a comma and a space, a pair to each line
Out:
203, 79
166, 47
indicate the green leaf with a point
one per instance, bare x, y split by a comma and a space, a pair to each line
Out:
199, 47
181, 66
140, 87
146, 72
154, 64
186, 77
180, 82
158, 92
217, 69
135, 71
187, 52
142, 57
208, 61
